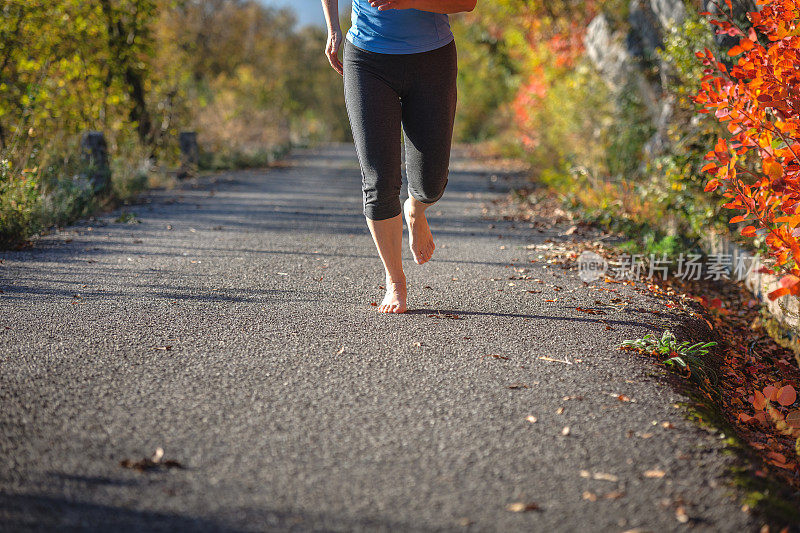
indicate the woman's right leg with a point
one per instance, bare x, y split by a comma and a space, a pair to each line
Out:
388, 237
373, 107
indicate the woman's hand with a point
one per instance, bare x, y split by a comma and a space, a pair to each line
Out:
383, 5
332, 50
435, 6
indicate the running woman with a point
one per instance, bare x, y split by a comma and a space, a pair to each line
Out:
399, 69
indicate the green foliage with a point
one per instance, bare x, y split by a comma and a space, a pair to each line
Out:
591, 143
629, 129
19, 203
237, 72
680, 44
227, 159
487, 79
127, 217
668, 345
650, 242
684, 356
574, 124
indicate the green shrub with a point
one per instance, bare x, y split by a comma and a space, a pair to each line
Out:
20, 204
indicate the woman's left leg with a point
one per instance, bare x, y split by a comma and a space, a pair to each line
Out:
429, 108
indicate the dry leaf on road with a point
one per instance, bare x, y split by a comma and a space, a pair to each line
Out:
522, 507
602, 476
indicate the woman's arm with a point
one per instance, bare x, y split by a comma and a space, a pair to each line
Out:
331, 10
436, 6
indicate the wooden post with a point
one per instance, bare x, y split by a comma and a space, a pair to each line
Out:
190, 154
94, 159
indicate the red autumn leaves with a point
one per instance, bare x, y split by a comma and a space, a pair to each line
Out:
771, 405
758, 98
784, 396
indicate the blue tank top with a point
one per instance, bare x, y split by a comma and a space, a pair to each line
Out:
397, 31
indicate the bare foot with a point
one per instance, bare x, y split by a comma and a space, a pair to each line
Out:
395, 299
419, 233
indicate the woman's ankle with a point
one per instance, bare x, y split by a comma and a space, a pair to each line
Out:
396, 279
416, 208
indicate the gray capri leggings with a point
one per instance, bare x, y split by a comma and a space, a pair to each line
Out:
383, 91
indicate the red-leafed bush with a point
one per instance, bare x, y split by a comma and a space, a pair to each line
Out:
758, 167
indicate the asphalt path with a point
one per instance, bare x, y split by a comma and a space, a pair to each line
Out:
232, 326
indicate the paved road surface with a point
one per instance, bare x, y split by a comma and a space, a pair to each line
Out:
293, 405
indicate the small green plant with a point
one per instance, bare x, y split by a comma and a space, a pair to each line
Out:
127, 217
684, 355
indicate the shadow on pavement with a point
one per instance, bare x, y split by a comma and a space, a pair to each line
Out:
34, 512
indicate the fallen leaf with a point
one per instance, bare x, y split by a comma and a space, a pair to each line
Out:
793, 418
759, 402
787, 395
623, 398
590, 311
565, 431
592, 497
667, 425
168, 347
680, 514
601, 476
152, 463
496, 356
655, 473
522, 507
532, 419
605, 477
560, 411
777, 457
614, 495
770, 393
341, 351
545, 358
517, 386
